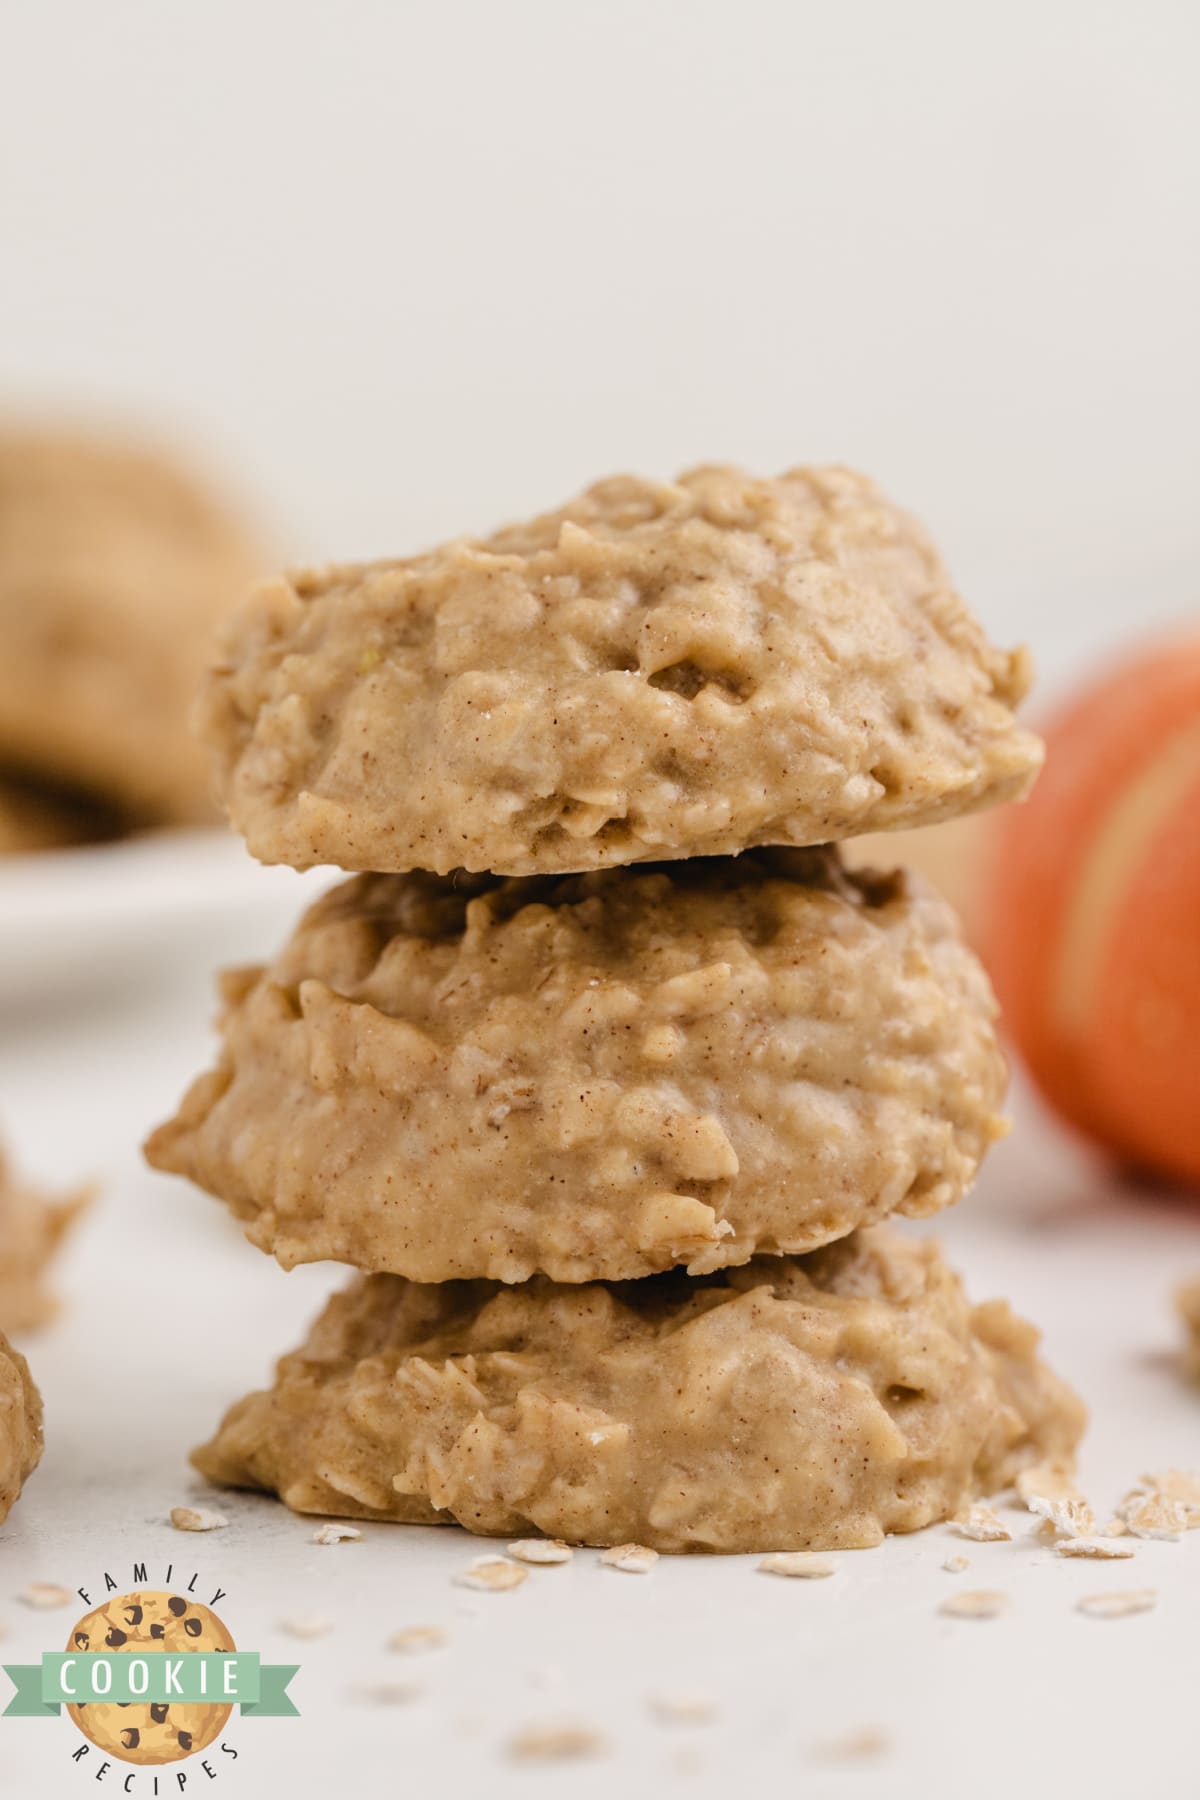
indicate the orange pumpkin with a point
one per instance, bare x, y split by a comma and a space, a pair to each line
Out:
1092, 926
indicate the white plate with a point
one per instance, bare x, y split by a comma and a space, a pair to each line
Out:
73, 921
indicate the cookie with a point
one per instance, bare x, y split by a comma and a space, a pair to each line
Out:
114, 570
31, 1229
654, 671
155, 1733
597, 1076
20, 1426
33, 818
817, 1401
1189, 1312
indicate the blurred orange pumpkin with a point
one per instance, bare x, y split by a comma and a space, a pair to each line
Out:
1092, 926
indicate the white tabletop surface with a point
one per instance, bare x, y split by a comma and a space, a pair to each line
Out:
169, 1315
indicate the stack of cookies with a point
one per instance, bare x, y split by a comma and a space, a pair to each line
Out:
605, 1074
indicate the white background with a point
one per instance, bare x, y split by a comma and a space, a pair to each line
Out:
413, 268
405, 270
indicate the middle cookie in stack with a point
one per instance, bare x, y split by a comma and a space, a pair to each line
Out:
547, 1091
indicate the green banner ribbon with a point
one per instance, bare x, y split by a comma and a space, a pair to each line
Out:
197, 1677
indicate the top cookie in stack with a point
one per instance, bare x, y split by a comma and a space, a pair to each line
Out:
652, 672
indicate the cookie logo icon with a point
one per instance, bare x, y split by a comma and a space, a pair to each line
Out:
158, 1730
150, 1677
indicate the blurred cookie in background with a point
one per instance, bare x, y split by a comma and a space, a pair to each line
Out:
32, 1226
1189, 1312
115, 566
35, 817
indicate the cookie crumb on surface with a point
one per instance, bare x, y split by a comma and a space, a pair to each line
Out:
546, 1551
631, 1559
1101, 1549
44, 1594
855, 1746
1155, 1516
555, 1743
983, 1524
335, 1534
803, 1565
306, 1625
1119, 1605
492, 1575
197, 1518
975, 1603
1179, 1486
954, 1565
683, 1709
1070, 1517
414, 1638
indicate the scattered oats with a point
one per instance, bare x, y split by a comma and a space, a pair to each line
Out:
1155, 1517
306, 1625
975, 1603
1047, 1481
1118, 1606
492, 1575
856, 1746
683, 1709
1115, 1528
982, 1524
1180, 1485
954, 1565
805, 1565
390, 1693
413, 1638
631, 1559
1099, 1548
45, 1594
197, 1518
555, 1743
1069, 1517
541, 1550
335, 1534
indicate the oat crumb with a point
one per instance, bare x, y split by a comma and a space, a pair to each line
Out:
683, 1709
954, 1565
1178, 1484
411, 1639
1101, 1549
1119, 1605
44, 1594
975, 1603
197, 1518
856, 1746
982, 1524
335, 1534
805, 1565
555, 1743
306, 1625
631, 1559
1069, 1517
492, 1575
1155, 1516
541, 1550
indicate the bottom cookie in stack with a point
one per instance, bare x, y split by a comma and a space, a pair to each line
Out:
798, 1402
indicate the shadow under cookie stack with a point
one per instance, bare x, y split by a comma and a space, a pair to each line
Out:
606, 1075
